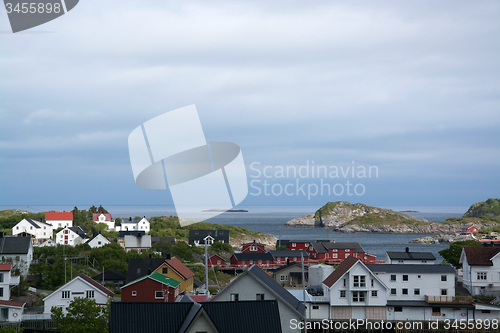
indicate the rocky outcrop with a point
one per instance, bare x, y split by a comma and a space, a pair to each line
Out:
442, 239
268, 240
307, 221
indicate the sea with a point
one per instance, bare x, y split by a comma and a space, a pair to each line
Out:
270, 220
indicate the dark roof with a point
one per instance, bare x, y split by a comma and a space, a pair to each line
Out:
340, 271
293, 263
139, 267
217, 235
95, 237
228, 317
142, 317
79, 231
286, 242
162, 239
97, 285
401, 268
124, 233
288, 253
33, 222
411, 256
245, 316
110, 275
14, 245
345, 245
319, 247
254, 256
480, 256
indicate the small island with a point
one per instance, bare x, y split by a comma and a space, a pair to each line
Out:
215, 210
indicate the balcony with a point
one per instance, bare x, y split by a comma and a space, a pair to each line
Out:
448, 299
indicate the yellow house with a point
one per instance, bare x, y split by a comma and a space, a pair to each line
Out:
175, 269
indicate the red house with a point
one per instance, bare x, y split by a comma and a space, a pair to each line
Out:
253, 247
332, 252
215, 260
151, 288
284, 257
298, 244
469, 229
249, 259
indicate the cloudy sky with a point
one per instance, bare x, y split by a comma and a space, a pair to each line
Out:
409, 87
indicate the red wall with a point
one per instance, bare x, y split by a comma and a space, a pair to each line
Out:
246, 248
146, 292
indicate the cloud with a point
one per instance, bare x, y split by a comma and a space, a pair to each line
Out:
43, 116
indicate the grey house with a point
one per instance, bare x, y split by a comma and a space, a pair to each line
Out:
290, 275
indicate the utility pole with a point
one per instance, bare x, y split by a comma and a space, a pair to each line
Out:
206, 269
304, 291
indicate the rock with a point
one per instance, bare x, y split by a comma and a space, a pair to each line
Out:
442, 239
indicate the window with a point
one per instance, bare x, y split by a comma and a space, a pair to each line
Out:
259, 297
234, 297
416, 291
65, 294
218, 262
436, 311
90, 294
444, 292
358, 296
17, 228
342, 293
345, 283
1, 277
283, 277
443, 277
405, 277
4, 315
253, 248
334, 250
159, 294
482, 275
359, 281
293, 244
398, 309
393, 291
393, 277
374, 293
315, 307
1, 292
404, 291
334, 255
419, 276
260, 261
134, 293
243, 262
485, 311
372, 282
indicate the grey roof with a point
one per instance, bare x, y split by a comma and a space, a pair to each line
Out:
162, 239
14, 245
139, 267
79, 231
291, 264
137, 242
401, 268
217, 235
33, 222
288, 253
286, 242
254, 256
411, 256
124, 233
319, 247
110, 275
345, 245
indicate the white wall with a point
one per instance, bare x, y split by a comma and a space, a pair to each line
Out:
73, 238
60, 223
98, 241
476, 286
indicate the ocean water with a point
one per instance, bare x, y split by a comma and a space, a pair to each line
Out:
270, 220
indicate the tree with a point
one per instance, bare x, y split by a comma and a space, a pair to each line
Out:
163, 246
83, 316
11, 329
281, 248
101, 210
93, 209
453, 253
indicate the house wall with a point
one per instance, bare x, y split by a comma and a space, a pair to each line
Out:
60, 223
99, 241
201, 324
14, 314
5, 279
72, 239
77, 288
322, 311
247, 288
21, 261
145, 292
491, 285
425, 313
185, 286
214, 261
253, 248
428, 283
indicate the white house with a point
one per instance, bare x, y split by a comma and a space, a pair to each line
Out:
134, 225
48, 242
7, 281
410, 258
59, 219
18, 251
98, 241
71, 236
80, 286
254, 284
481, 270
11, 311
355, 292
38, 231
104, 218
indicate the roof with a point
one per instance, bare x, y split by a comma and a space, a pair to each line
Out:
286, 242
345, 245
110, 275
401, 268
201, 234
293, 263
274, 287
254, 256
124, 233
139, 267
79, 231
5, 267
288, 253
319, 247
95, 284
95, 217
480, 256
180, 268
162, 239
98, 234
34, 222
14, 245
254, 242
12, 304
143, 241
200, 298
59, 216
343, 268
158, 278
411, 255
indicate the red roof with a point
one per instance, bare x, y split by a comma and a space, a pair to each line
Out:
95, 217
340, 271
59, 216
180, 268
97, 285
5, 267
480, 256
12, 303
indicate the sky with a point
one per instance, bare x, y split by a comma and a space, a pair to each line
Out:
408, 88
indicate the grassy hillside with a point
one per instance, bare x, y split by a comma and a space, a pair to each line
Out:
488, 208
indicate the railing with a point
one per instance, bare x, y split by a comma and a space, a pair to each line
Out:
37, 316
449, 299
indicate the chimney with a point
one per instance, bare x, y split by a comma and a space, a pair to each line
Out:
407, 249
288, 261
168, 256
